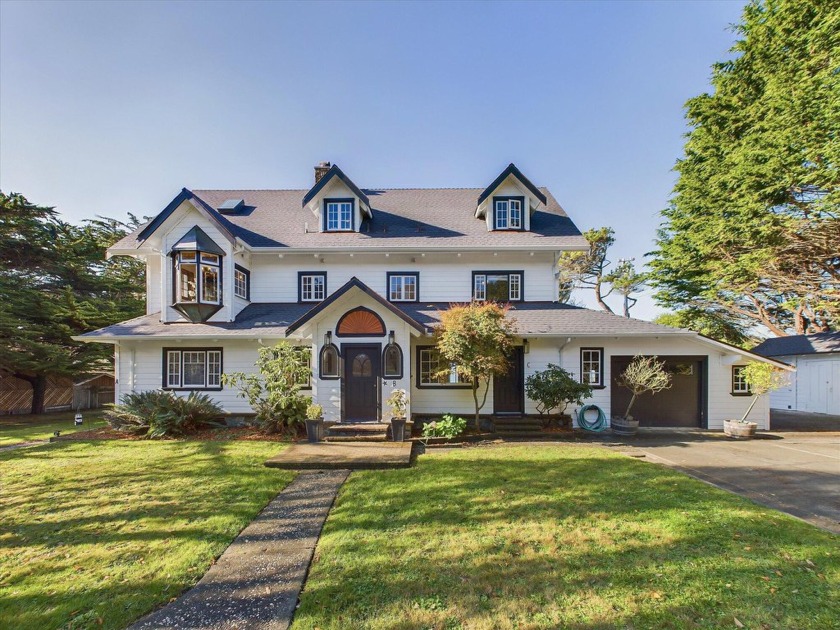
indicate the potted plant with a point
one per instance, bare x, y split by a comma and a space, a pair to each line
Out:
644, 374
398, 403
554, 388
314, 422
761, 378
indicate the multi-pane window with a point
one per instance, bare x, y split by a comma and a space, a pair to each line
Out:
313, 287
240, 283
403, 287
739, 381
497, 286
508, 214
193, 369
198, 277
433, 372
339, 215
592, 366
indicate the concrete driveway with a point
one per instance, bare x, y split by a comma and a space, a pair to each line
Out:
797, 473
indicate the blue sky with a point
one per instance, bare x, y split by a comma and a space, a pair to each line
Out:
110, 108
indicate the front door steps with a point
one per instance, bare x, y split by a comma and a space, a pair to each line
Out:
518, 426
358, 432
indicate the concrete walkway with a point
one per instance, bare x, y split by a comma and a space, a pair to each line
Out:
256, 582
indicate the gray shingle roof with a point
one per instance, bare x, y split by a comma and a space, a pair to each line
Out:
799, 344
551, 318
407, 218
271, 320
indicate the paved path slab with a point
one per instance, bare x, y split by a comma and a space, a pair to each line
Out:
256, 582
349, 455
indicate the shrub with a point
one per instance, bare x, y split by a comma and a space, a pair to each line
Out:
554, 388
314, 411
274, 393
448, 427
398, 403
159, 413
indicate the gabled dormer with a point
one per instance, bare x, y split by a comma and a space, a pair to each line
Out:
508, 203
337, 204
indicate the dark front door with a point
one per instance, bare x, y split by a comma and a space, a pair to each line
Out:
361, 382
678, 406
508, 389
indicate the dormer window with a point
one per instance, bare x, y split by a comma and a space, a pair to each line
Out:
508, 212
197, 286
339, 215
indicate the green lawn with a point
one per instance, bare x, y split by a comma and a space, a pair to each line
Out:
562, 536
18, 429
95, 534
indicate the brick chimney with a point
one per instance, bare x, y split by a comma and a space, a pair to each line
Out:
321, 170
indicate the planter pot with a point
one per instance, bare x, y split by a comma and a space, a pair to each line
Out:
315, 430
624, 426
739, 430
398, 429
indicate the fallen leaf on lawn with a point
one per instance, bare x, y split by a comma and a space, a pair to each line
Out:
779, 573
772, 590
811, 563
765, 578
656, 595
747, 548
738, 622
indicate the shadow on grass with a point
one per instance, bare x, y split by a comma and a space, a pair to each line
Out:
112, 529
551, 537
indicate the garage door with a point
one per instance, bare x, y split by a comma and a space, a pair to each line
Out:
819, 386
679, 406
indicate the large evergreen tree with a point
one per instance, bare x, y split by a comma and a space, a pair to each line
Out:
56, 283
752, 235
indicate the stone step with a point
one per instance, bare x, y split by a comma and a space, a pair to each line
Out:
357, 438
358, 428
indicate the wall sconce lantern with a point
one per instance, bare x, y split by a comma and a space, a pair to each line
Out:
391, 338
328, 338
526, 345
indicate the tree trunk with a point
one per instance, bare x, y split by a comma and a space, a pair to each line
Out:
39, 390
477, 408
599, 298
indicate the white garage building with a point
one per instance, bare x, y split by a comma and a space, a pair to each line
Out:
815, 386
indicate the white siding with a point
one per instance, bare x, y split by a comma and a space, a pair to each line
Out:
785, 397
722, 404
444, 277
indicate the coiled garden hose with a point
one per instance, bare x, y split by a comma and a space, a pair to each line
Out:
597, 425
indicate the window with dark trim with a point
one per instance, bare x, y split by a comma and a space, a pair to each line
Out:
241, 282
329, 361
507, 213
430, 374
592, 366
497, 286
312, 286
192, 368
403, 286
740, 387
339, 215
392, 361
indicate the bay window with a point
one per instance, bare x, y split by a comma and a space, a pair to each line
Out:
197, 275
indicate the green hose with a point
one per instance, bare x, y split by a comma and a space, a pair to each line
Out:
598, 425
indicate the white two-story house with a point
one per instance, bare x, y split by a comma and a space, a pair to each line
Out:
360, 275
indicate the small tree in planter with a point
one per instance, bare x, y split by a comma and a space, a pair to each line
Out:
314, 422
643, 375
476, 339
274, 393
398, 403
762, 378
554, 388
